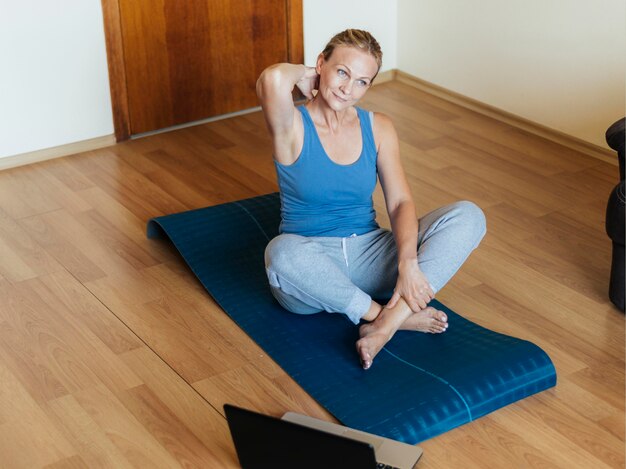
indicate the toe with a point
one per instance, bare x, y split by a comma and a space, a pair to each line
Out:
364, 355
436, 314
366, 361
438, 323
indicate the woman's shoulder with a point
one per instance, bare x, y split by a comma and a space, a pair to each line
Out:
382, 117
383, 129
378, 116
382, 124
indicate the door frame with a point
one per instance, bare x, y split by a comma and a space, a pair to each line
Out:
115, 58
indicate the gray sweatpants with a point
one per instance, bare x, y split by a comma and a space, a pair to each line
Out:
312, 274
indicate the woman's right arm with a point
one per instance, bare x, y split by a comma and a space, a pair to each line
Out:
274, 88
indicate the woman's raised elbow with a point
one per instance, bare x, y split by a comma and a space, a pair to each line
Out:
269, 80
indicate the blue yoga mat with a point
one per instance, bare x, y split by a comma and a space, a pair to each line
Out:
420, 385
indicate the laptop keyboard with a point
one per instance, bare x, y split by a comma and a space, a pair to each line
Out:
382, 465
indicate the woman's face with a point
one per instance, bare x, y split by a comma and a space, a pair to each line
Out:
346, 76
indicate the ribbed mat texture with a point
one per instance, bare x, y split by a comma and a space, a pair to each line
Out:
420, 385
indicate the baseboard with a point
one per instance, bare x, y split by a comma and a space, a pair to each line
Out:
556, 136
56, 152
219, 117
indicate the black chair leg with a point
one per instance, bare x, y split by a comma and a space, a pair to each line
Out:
616, 285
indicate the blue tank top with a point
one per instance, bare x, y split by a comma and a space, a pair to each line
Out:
322, 198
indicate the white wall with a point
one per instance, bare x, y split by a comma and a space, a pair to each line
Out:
54, 86
325, 18
560, 63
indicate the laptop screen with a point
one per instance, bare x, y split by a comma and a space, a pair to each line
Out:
262, 441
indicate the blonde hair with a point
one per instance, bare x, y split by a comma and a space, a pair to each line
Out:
358, 38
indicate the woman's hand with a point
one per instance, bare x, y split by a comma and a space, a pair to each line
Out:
309, 82
412, 285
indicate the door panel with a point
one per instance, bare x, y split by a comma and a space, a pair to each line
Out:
192, 59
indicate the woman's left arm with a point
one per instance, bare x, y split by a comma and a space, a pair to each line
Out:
412, 285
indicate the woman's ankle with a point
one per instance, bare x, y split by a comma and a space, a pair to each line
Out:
373, 312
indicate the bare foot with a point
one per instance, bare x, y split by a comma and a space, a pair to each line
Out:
429, 320
376, 334
369, 345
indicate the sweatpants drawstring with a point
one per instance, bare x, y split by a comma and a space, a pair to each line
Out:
344, 247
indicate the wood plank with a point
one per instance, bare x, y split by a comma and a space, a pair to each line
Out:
73, 462
548, 440
38, 336
247, 387
166, 428
196, 413
27, 437
121, 220
516, 181
22, 258
61, 249
21, 196
95, 448
86, 313
128, 434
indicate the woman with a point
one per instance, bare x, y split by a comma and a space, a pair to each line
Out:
331, 254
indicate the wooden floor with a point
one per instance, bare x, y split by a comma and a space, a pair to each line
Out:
112, 354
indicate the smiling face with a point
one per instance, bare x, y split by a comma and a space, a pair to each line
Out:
345, 76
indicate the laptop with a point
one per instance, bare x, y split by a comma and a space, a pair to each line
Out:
299, 441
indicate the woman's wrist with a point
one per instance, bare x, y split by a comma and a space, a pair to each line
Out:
408, 262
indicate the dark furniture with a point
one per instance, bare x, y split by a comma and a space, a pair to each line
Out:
615, 137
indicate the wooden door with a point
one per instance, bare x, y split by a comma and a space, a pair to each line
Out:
177, 61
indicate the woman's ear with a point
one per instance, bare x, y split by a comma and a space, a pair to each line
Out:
319, 63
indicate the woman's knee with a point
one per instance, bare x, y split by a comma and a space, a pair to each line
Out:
472, 218
282, 250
